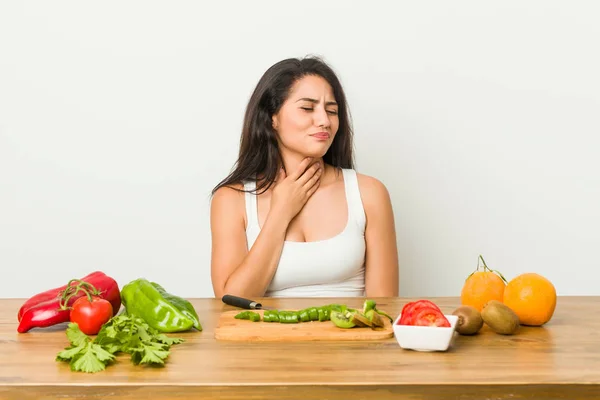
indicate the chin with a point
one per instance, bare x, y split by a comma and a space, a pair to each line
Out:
314, 154
316, 151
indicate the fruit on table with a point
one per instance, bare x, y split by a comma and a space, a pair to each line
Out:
482, 286
54, 306
532, 297
469, 320
161, 310
500, 318
423, 313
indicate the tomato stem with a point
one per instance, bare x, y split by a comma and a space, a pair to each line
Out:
71, 291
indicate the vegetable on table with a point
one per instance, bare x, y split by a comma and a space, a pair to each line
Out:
251, 315
90, 313
423, 313
122, 333
343, 319
162, 311
54, 306
339, 314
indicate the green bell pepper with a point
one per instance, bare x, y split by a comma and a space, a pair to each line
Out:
161, 310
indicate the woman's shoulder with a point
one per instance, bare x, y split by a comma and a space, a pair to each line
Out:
372, 190
227, 195
228, 204
230, 188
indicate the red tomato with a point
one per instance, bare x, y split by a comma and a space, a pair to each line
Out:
410, 309
429, 316
406, 313
90, 316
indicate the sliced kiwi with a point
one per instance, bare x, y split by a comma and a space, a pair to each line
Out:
342, 319
469, 320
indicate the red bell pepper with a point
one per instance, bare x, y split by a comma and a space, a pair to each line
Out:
54, 306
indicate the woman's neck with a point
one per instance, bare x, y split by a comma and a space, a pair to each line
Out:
292, 163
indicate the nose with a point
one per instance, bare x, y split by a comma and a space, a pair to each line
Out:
322, 118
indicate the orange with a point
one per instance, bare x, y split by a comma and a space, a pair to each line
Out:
482, 286
532, 297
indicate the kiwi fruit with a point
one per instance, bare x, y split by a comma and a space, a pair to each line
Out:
500, 318
469, 320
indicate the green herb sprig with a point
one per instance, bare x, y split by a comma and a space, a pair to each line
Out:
123, 333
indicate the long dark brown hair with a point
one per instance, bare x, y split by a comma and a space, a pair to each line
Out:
259, 154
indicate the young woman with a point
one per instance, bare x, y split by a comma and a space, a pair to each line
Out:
294, 218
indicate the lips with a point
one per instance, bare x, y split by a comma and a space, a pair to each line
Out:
320, 135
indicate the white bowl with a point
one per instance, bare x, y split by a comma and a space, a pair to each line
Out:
425, 338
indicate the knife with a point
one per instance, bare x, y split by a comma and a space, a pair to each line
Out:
243, 303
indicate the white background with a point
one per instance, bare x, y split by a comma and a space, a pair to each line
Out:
118, 118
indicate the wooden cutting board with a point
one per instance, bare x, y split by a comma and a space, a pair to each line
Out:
229, 328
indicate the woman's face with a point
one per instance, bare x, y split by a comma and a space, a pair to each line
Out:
308, 120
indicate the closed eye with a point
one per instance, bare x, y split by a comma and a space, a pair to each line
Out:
331, 112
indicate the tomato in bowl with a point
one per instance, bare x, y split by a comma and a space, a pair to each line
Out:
422, 326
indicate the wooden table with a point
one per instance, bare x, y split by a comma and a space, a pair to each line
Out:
558, 361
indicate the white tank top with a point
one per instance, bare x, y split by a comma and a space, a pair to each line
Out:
332, 267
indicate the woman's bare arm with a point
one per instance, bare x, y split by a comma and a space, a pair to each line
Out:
234, 269
381, 276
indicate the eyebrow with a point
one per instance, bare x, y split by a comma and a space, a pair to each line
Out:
315, 101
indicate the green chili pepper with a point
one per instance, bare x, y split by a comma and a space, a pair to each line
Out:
304, 316
384, 314
274, 316
313, 314
161, 310
250, 315
281, 315
369, 305
293, 317
267, 316
288, 317
254, 316
243, 315
270, 316
337, 307
320, 314
323, 314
